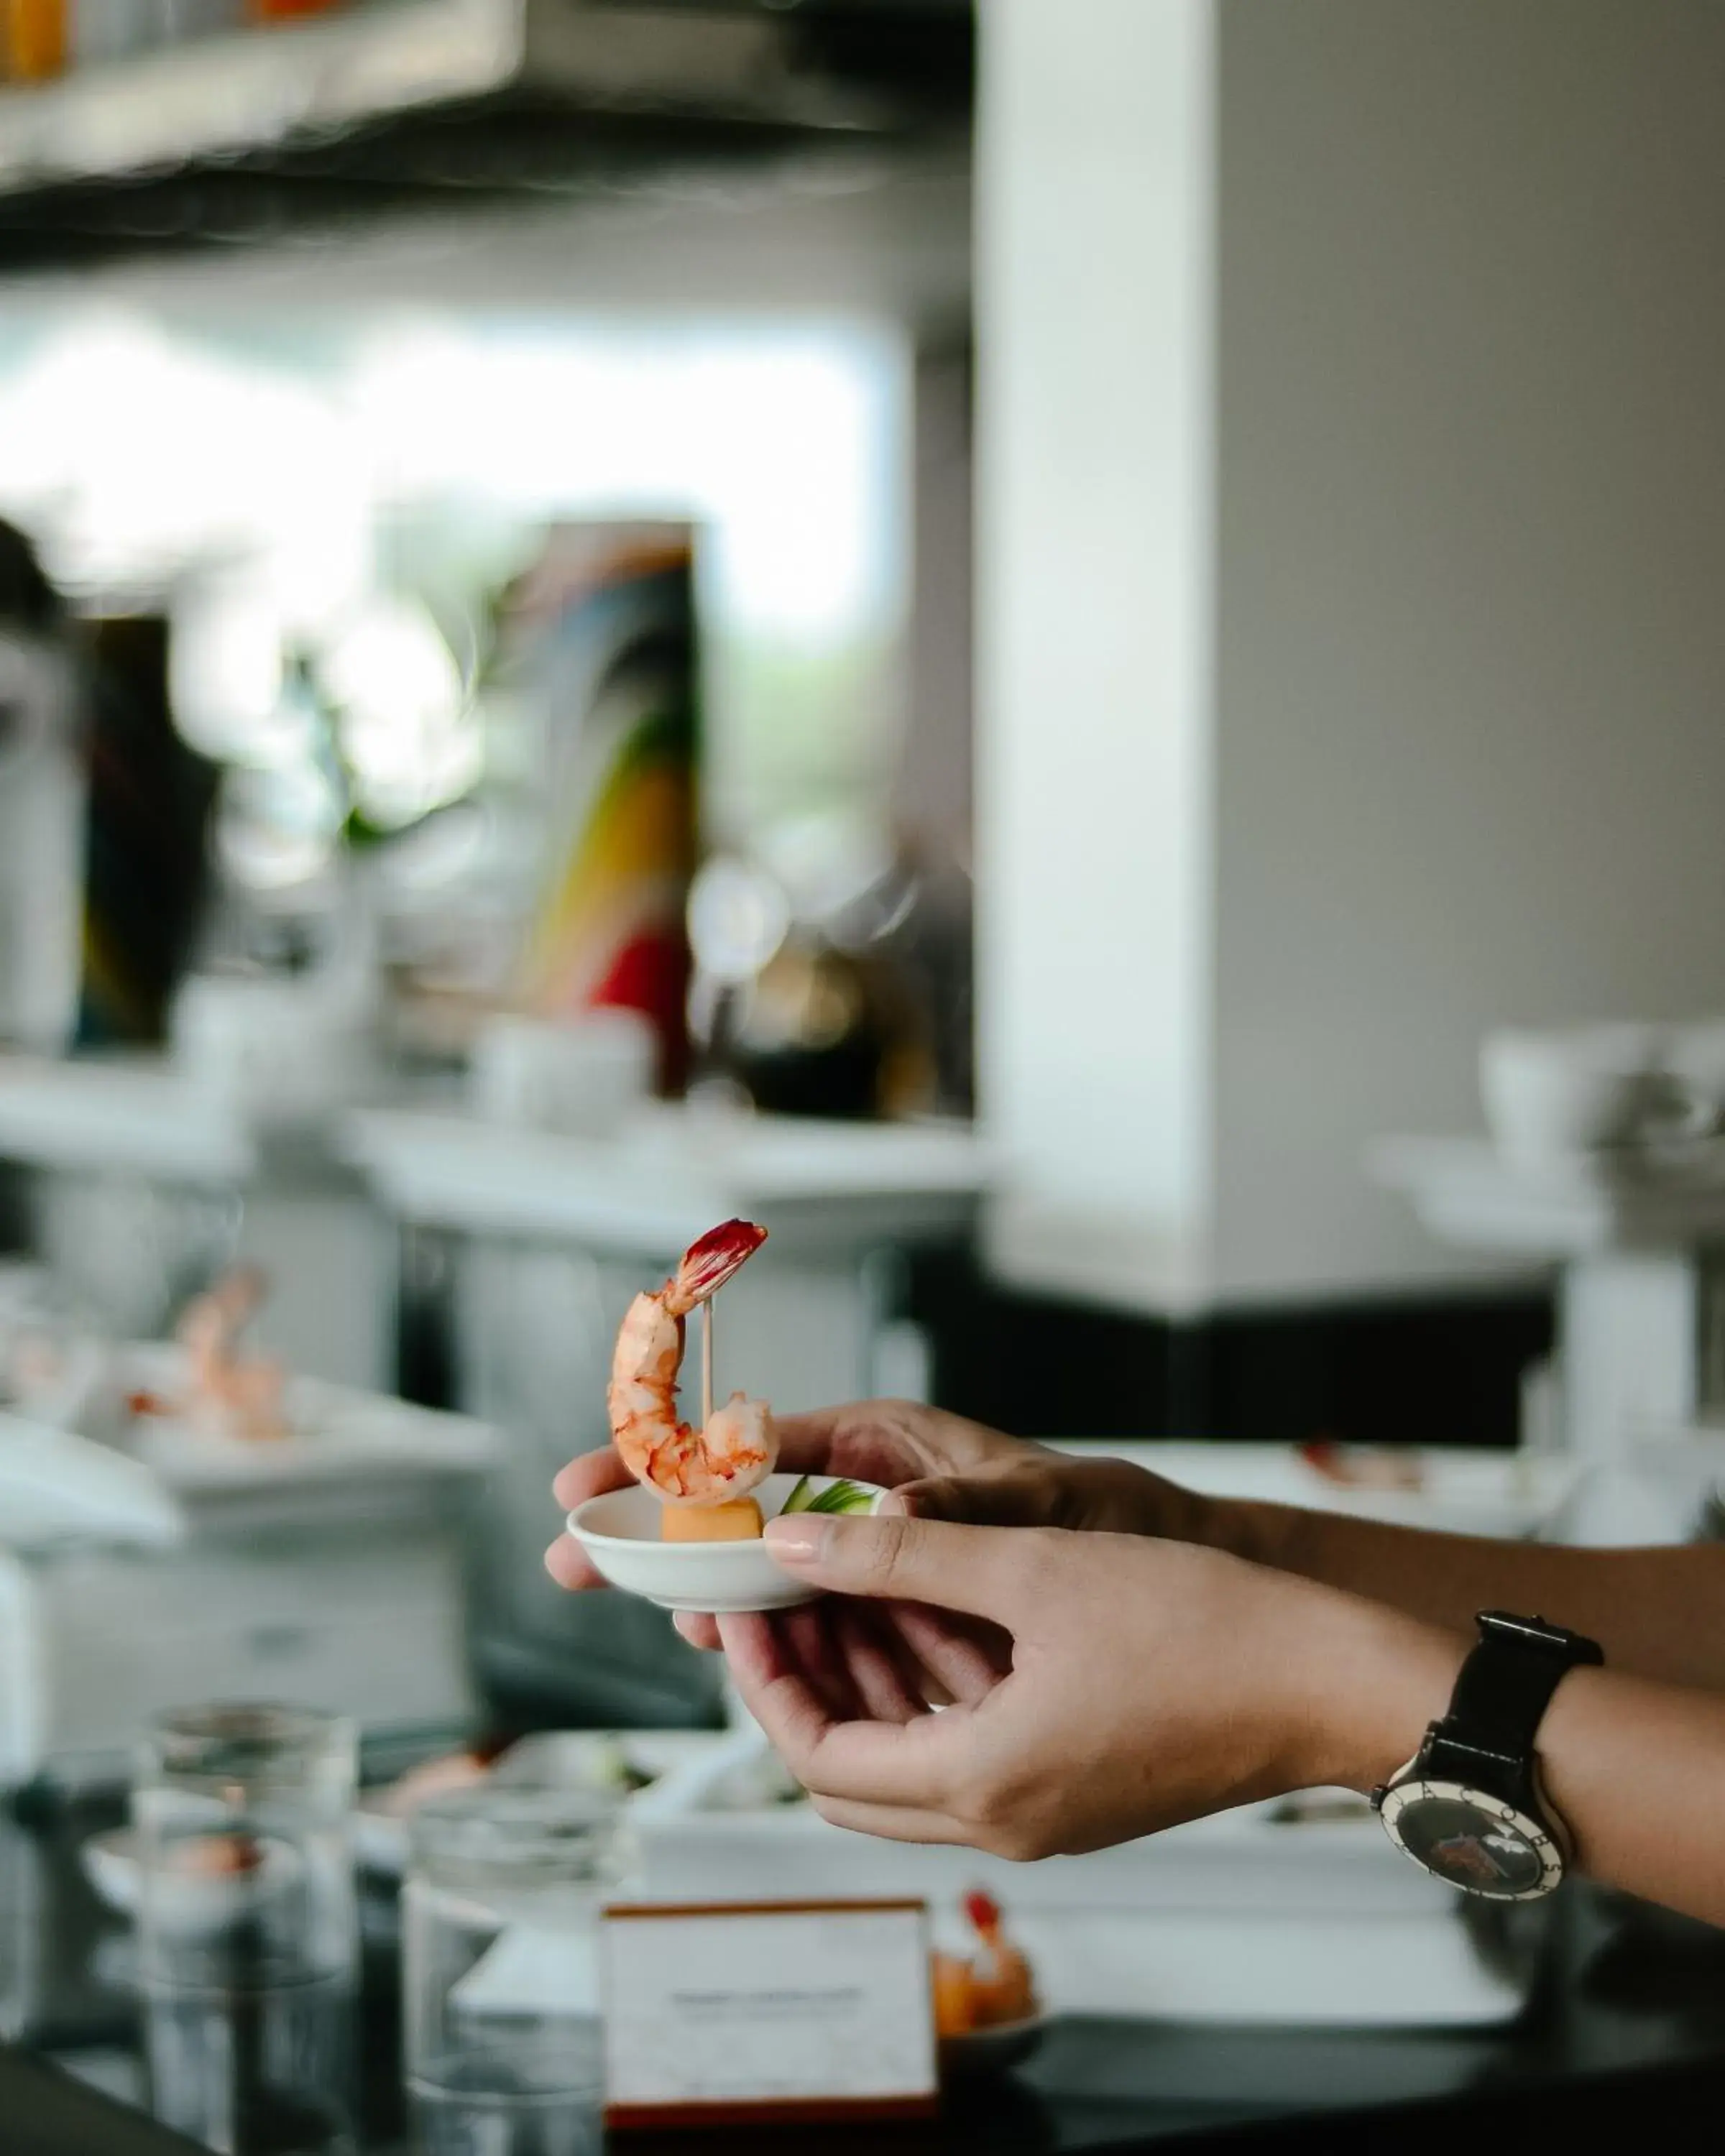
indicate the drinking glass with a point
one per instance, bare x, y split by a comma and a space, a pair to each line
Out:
499, 1970
246, 1933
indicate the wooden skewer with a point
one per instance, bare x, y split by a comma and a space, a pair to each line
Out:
706, 1363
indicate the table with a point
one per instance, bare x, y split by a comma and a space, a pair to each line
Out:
1627, 2028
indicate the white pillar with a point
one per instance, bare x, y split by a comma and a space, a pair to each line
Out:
1348, 629
1095, 177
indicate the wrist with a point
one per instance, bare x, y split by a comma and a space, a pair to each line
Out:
1379, 1680
1261, 1533
1175, 1513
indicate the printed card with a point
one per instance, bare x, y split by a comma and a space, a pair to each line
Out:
767, 2011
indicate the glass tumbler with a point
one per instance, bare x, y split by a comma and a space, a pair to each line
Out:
499, 1970
247, 1942
241, 1816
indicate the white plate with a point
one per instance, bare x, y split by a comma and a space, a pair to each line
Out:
548, 1759
991, 2050
190, 1900
334, 1432
619, 1531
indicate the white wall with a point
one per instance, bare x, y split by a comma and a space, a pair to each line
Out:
1468, 491
1471, 548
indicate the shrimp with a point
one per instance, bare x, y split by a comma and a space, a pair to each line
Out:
210, 1324
242, 1395
739, 1445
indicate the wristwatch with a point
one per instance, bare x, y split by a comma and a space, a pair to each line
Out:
1469, 1806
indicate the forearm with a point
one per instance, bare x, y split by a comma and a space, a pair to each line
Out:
1637, 1769
1658, 1613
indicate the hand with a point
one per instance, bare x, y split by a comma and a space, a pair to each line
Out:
1149, 1682
889, 1662
938, 1466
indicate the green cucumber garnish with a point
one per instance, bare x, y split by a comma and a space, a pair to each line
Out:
839, 1496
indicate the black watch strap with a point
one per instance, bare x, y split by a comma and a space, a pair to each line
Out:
1500, 1699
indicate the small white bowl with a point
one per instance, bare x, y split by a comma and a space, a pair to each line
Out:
992, 2051
619, 1531
189, 1900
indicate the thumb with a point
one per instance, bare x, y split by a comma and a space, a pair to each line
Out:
911, 1560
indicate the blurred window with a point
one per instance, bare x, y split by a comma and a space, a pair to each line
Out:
339, 483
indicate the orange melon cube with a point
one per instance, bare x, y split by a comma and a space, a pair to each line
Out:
955, 2003
737, 1521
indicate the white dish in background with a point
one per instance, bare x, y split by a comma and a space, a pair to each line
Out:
192, 1899
619, 1531
554, 1759
333, 1432
993, 2050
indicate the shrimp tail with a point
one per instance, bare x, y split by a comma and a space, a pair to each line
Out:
706, 1265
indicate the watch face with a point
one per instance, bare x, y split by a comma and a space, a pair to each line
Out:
1475, 1841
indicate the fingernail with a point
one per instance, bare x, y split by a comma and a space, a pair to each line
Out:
799, 1540
894, 1503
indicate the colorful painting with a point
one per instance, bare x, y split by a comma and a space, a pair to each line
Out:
609, 619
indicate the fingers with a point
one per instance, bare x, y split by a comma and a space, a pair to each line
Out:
567, 1562
979, 1570
805, 1645
905, 1763
590, 1476
849, 1655
887, 1441
887, 1681
982, 1501
780, 1698
935, 1658
965, 1667
806, 1441
875, 1440
891, 1822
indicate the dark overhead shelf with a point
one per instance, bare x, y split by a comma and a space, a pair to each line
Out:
406, 104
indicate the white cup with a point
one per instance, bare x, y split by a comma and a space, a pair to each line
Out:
1551, 1096
581, 1077
278, 1047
